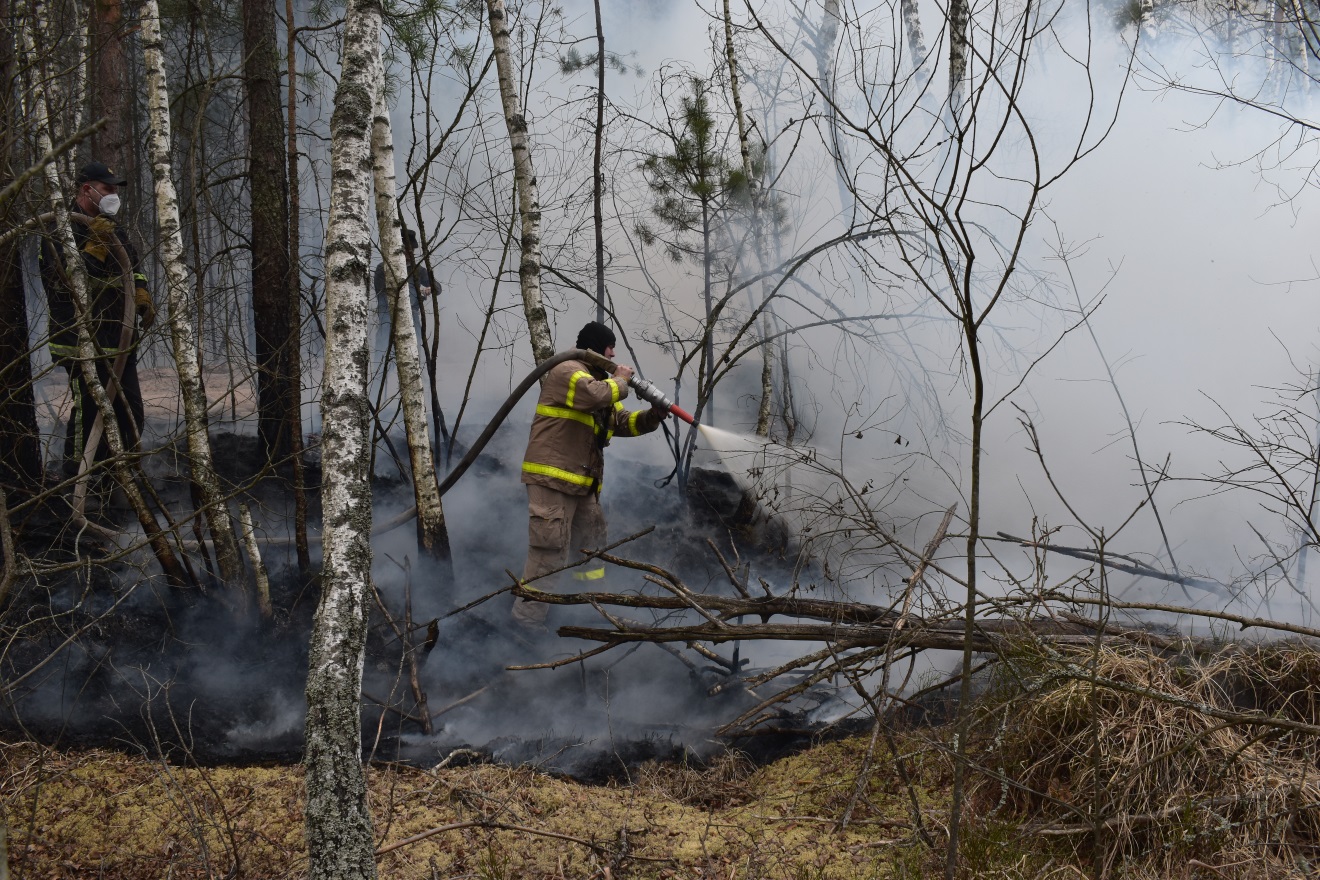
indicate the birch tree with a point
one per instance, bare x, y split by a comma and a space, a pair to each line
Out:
21, 467
340, 843
432, 534
524, 175
823, 40
180, 303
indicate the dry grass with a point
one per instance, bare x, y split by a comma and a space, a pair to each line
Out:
718, 784
1128, 779
102, 814
1134, 776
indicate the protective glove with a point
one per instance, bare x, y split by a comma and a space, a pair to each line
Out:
100, 237
146, 311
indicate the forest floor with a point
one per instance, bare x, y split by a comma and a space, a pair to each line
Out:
1120, 759
101, 813
1182, 766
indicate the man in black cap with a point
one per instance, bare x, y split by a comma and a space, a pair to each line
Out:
579, 410
108, 256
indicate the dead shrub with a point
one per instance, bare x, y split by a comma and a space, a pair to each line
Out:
1116, 748
722, 782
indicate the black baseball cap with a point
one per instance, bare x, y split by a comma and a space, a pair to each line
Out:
99, 172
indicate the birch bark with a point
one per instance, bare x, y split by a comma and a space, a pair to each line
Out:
524, 175
432, 534
826, 36
959, 14
179, 299
20, 469
916, 40
340, 843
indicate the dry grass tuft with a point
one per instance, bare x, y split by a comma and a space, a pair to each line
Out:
724, 781
1142, 761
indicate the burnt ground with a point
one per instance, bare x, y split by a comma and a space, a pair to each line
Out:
107, 655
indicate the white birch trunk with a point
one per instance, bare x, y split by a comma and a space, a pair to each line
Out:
432, 535
179, 300
915, 38
826, 37
959, 15
529, 201
340, 843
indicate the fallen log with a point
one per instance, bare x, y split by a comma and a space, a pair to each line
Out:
765, 607
990, 635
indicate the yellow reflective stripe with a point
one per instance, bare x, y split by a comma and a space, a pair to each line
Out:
546, 470
632, 422
591, 574
614, 390
561, 412
572, 386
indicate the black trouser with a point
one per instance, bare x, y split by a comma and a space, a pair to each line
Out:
129, 411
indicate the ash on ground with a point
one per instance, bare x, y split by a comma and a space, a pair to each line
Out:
105, 654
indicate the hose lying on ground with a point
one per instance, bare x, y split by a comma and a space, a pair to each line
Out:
573, 354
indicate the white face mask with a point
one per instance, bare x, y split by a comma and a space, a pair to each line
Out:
109, 204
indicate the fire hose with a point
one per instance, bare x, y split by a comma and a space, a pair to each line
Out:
644, 390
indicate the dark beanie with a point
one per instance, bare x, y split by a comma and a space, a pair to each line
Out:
596, 337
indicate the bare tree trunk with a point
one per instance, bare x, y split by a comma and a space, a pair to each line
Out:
916, 40
709, 343
827, 35
959, 14
432, 534
20, 467
597, 172
969, 617
278, 393
340, 842
179, 298
109, 86
524, 175
295, 300
758, 233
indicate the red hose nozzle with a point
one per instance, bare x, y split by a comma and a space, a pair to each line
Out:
682, 414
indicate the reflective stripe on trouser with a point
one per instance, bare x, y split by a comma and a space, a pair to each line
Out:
127, 404
558, 526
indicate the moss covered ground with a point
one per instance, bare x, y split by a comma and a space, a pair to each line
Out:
97, 814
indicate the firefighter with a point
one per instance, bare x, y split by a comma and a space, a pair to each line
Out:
579, 410
97, 197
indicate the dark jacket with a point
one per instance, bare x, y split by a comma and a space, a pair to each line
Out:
105, 289
420, 279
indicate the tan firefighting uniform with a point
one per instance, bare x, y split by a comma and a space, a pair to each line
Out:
577, 414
